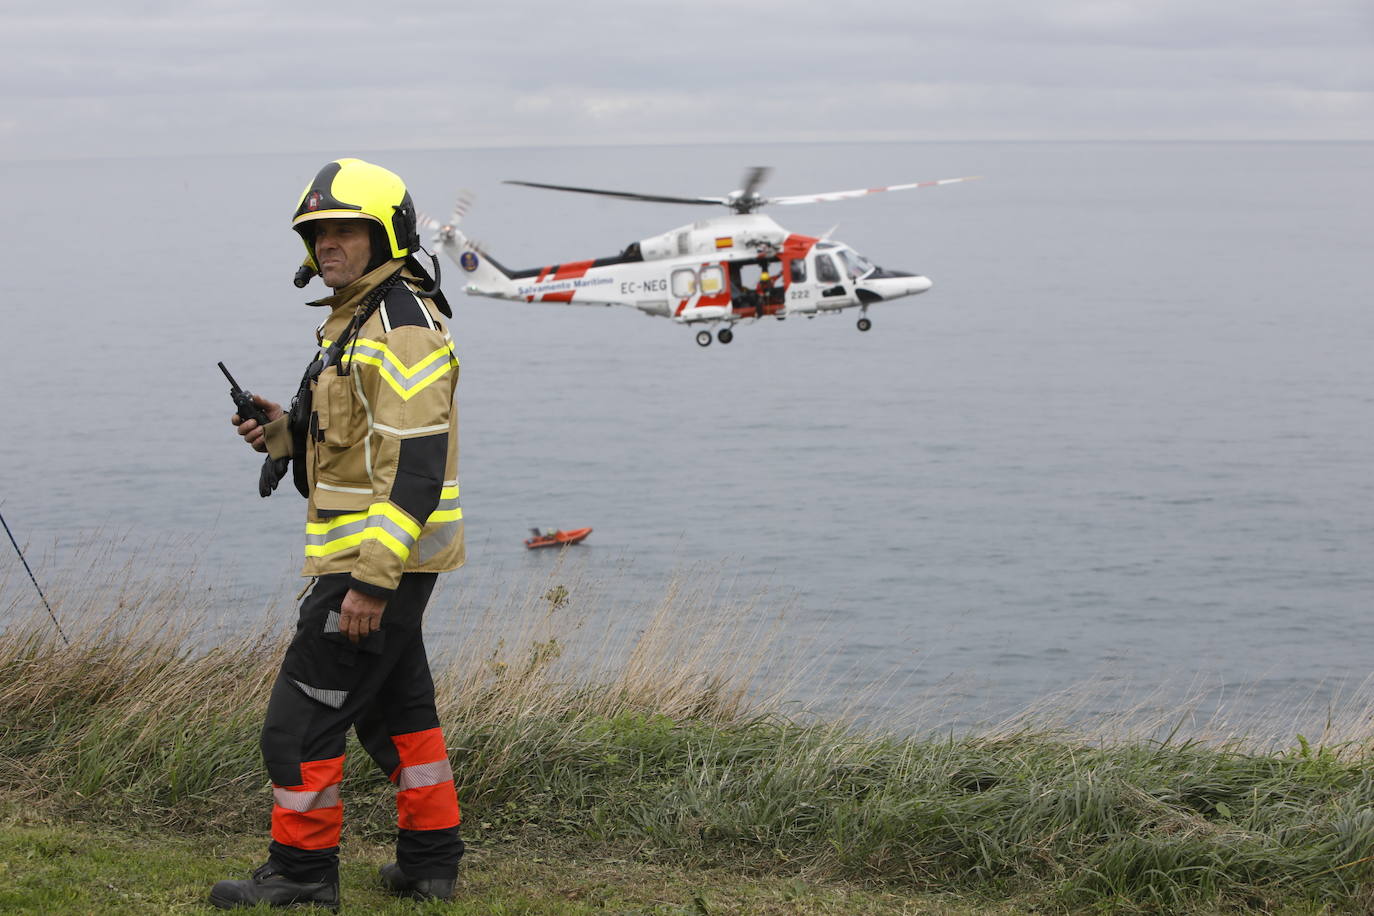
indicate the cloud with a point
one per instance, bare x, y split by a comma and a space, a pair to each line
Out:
211, 76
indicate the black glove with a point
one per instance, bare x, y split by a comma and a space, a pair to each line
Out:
273, 470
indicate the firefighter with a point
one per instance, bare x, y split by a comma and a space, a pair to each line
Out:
373, 440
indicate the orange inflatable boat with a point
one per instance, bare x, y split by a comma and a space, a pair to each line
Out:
556, 538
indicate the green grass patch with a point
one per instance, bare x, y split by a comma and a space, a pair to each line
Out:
66, 868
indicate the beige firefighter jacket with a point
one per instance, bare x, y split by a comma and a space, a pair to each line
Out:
382, 447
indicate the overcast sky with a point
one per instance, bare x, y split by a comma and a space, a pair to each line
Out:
210, 76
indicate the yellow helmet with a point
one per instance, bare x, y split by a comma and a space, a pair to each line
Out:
354, 189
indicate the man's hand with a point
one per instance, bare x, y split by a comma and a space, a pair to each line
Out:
360, 614
250, 430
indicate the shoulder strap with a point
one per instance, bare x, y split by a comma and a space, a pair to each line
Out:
365, 310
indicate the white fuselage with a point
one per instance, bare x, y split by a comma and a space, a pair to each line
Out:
708, 271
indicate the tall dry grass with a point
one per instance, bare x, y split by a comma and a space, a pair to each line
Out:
154, 708
652, 735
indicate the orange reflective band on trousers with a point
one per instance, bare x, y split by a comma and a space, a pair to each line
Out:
427, 799
310, 815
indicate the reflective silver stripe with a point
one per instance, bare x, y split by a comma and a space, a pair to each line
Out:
414, 431
331, 624
328, 797
331, 698
435, 539
365, 350
334, 489
367, 440
395, 530
372, 521
333, 534
397, 372
439, 365
424, 774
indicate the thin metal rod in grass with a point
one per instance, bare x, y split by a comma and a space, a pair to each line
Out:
34, 580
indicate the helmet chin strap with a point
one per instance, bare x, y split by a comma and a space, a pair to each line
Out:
429, 292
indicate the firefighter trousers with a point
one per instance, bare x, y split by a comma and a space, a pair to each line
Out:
381, 687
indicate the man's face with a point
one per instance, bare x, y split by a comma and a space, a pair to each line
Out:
342, 249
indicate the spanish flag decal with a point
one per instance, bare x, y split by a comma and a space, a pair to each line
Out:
725, 242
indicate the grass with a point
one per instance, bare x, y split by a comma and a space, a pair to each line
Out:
63, 868
578, 742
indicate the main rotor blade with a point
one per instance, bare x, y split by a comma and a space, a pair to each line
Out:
753, 178
623, 195
845, 195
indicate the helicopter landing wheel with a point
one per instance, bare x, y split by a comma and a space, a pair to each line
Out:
865, 324
704, 338
725, 335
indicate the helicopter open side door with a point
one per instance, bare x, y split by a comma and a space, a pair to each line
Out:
752, 296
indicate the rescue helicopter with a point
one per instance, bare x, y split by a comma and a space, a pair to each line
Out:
714, 273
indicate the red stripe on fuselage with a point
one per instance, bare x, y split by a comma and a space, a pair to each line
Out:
572, 270
794, 248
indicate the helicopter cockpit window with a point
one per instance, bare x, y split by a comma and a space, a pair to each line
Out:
798, 271
857, 265
712, 280
825, 269
684, 283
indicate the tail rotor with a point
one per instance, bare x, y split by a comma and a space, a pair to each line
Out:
446, 233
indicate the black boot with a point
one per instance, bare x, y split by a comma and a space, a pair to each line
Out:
395, 881
275, 889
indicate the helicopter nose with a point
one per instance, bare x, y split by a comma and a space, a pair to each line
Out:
894, 287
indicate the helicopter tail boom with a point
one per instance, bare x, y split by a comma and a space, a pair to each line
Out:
482, 274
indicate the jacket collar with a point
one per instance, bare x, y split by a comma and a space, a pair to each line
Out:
346, 299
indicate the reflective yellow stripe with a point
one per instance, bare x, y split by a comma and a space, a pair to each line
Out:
337, 521
380, 535
407, 381
396, 515
382, 522
447, 509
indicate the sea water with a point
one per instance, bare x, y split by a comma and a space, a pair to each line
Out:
1125, 441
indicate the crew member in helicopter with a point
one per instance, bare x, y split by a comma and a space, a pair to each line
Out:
763, 292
